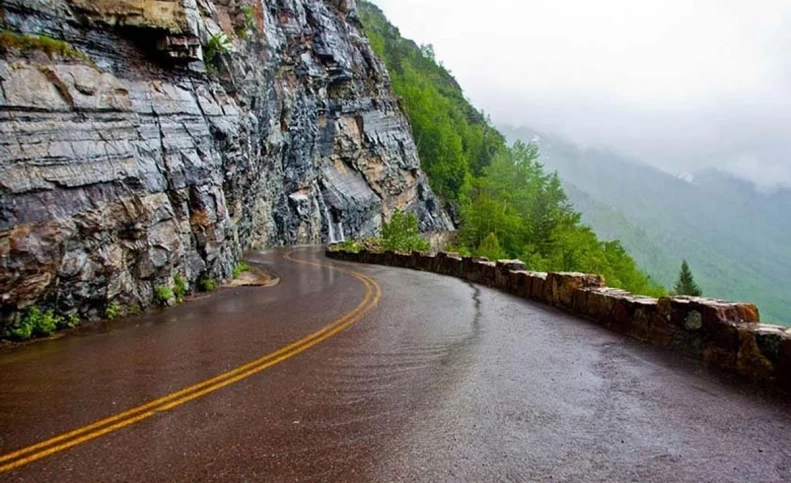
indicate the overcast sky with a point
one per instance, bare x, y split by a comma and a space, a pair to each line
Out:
682, 84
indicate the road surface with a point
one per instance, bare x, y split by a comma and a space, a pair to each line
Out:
375, 374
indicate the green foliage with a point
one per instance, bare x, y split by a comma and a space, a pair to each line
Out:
401, 234
113, 310
207, 285
490, 248
219, 44
46, 323
461, 249
23, 329
163, 295
724, 228
34, 321
349, 245
685, 285
249, 17
239, 267
455, 141
39, 322
52, 47
516, 210
180, 288
71, 321
510, 207
372, 244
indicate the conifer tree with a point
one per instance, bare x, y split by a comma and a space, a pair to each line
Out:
686, 282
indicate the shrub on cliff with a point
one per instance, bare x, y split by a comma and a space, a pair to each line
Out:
163, 295
218, 45
34, 321
207, 285
113, 310
401, 234
180, 288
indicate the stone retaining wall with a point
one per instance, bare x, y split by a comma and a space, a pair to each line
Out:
723, 334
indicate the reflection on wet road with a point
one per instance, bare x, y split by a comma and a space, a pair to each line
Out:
441, 381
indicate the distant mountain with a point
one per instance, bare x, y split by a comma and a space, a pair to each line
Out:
735, 237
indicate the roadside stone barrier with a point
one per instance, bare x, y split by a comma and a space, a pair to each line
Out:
723, 334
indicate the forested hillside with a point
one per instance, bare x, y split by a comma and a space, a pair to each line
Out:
508, 205
735, 238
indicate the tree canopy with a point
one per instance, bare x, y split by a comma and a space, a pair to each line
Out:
510, 207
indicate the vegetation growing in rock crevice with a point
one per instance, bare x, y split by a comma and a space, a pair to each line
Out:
207, 285
239, 268
248, 18
39, 322
180, 288
218, 45
113, 310
163, 295
10, 41
510, 207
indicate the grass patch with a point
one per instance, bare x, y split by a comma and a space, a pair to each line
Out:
350, 245
50, 46
240, 267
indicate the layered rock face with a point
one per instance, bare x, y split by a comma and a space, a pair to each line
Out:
154, 137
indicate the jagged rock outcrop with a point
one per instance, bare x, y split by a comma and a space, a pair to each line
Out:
140, 139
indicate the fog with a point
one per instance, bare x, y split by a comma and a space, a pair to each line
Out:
680, 84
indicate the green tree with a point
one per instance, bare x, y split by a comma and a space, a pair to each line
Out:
490, 248
685, 285
455, 141
401, 234
509, 206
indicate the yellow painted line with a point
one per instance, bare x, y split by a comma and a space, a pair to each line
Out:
107, 425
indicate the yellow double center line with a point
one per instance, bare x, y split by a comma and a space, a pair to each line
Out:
65, 441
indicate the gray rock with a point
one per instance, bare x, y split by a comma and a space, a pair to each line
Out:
118, 172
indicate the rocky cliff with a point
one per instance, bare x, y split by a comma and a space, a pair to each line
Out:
141, 139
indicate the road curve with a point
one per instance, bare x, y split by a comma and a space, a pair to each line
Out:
368, 373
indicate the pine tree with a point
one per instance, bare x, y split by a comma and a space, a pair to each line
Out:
686, 282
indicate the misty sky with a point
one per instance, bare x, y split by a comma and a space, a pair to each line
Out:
682, 84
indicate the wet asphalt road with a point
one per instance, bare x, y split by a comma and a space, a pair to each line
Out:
442, 381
